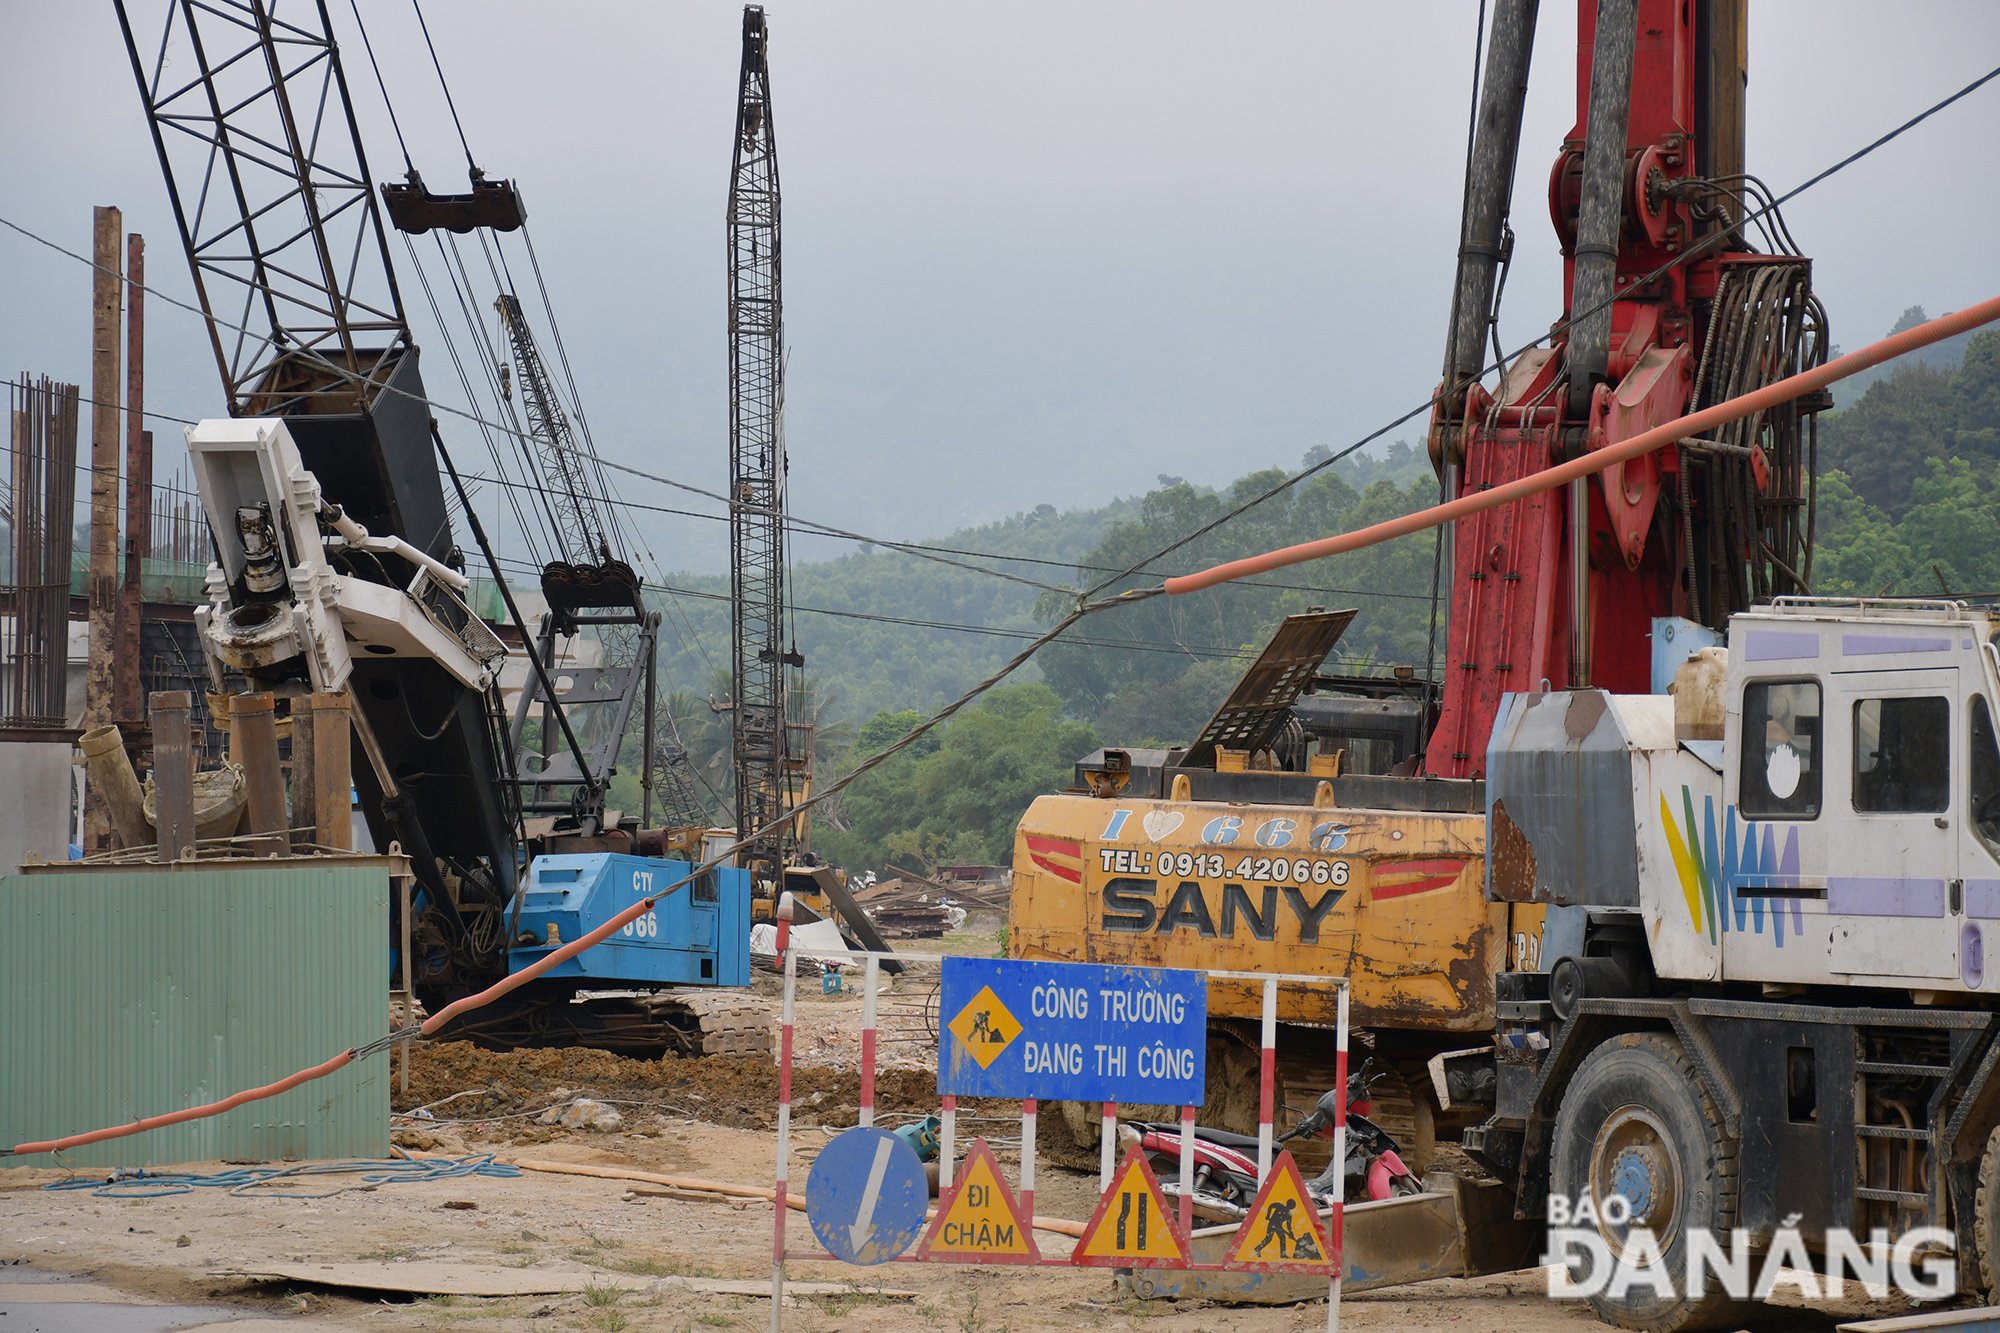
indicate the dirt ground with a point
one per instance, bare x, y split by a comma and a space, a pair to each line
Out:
707, 1118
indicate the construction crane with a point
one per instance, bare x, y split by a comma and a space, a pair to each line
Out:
338, 569
1670, 310
765, 765
583, 558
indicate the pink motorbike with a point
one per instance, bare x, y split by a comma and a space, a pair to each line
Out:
1225, 1164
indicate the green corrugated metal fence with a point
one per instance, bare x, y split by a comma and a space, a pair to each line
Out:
136, 991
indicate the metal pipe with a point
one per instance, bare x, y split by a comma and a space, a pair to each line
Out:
322, 755
1601, 206
354, 535
173, 774
253, 745
1600, 213
1489, 185
116, 785
646, 748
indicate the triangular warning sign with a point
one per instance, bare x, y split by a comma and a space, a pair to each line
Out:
1133, 1226
1282, 1231
980, 1221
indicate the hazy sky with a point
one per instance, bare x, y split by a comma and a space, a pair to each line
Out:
1034, 252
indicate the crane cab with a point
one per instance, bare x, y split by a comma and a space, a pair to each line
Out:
1841, 827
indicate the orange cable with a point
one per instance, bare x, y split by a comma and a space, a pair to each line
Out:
1768, 396
1644, 443
346, 1057
229, 1103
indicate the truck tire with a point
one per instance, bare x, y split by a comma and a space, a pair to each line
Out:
1635, 1122
1980, 1265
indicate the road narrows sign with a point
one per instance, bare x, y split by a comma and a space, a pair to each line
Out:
1133, 1227
980, 1220
1282, 1232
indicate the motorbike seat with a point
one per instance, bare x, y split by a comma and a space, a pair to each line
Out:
1202, 1134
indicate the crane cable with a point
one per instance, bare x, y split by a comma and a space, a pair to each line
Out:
1087, 604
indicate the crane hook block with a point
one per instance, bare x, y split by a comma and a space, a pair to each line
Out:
495, 205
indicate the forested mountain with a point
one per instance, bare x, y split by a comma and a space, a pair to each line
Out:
1910, 482
1909, 502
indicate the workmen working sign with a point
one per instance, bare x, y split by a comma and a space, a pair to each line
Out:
1072, 1032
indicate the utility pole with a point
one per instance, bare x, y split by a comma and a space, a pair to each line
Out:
106, 291
130, 707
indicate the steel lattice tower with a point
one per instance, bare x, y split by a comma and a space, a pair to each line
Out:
757, 459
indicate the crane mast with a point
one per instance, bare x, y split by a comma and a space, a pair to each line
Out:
252, 120
757, 465
579, 527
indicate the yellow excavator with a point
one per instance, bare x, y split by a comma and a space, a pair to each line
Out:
1279, 841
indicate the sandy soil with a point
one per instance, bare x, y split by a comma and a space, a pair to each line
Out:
166, 1248
710, 1118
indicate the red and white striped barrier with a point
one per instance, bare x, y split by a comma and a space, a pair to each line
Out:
1109, 1171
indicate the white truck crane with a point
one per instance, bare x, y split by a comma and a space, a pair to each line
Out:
1762, 1005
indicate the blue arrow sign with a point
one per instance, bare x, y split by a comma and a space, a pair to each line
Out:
867, 1196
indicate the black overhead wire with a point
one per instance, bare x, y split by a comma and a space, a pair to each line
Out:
932, 549
1087, 602
1207, 651
1711, 242
486, 429
369, 46
471, 165
490, 357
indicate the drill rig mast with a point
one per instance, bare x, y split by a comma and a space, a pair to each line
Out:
1667, 310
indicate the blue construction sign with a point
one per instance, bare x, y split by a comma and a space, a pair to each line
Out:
867, 1196
1072, 1032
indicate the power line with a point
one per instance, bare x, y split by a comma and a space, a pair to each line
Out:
797, 524
1711, 242
1208, 651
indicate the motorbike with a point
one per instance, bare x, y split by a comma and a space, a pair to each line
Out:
1225, 1164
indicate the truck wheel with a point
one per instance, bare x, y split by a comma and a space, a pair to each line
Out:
1980, 1272
1634, 1123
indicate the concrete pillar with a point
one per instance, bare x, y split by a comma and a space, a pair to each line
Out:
106, 290
253, 745
322, 771
173, 775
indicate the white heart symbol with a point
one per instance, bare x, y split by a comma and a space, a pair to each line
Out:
1159, 823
